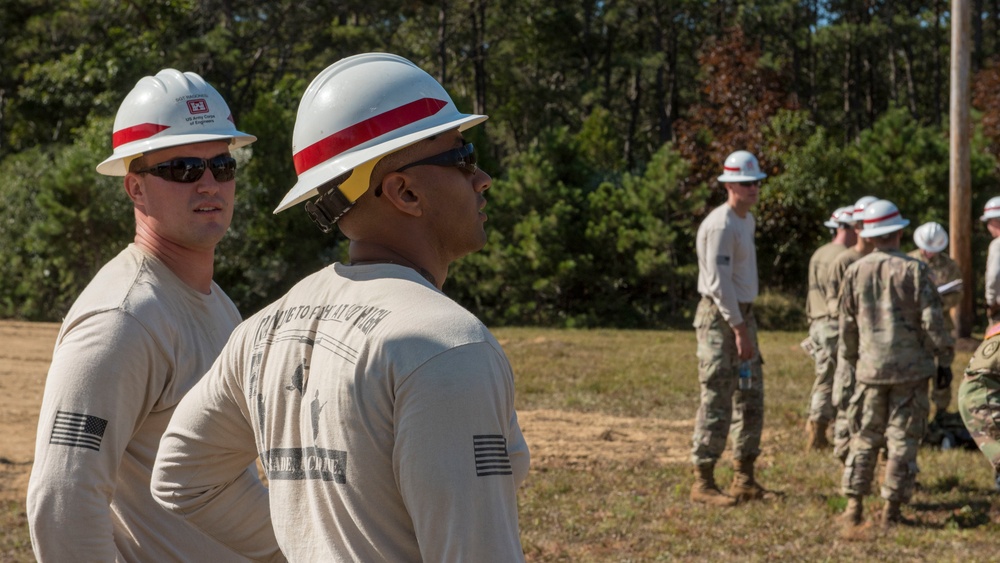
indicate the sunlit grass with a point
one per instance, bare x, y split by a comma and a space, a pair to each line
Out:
639, 511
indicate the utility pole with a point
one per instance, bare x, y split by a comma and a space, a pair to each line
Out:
960, 176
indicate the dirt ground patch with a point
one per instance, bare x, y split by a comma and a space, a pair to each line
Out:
555, 437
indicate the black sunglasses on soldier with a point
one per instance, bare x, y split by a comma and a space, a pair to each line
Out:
188, 169
464, 158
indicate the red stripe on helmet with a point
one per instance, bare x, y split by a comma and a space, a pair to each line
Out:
364, 131
136, 133
730, 169
883, 218
991, 209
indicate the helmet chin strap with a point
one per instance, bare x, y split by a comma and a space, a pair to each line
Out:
331, 204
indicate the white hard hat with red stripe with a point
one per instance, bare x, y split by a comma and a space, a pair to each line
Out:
991, 210
857, 215
881, 218
170, 109
358, 110
840, 217
741, 166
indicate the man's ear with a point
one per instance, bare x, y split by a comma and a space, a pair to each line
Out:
398, 189
135, 188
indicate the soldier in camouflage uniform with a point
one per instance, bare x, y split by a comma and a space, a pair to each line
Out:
727, 335
891, 333
932, 240
844, 387
979, 399
823, 326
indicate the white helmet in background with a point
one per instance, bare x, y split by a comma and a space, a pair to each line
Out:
840, 217
741, 166
881, 217
859, 207
170, 109
991, 210
931, 237
354, 112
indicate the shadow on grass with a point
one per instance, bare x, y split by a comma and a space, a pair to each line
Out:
961, 513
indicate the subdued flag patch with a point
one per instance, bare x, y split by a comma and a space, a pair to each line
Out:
491, 455
78, 430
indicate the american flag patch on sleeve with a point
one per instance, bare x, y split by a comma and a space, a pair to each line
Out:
491, 455
78, 430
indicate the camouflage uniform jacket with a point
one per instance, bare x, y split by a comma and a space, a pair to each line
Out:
819, 264
891, 325
943, 270
835, 276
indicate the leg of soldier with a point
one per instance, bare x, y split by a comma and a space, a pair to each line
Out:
867, 414
979, 404
908, 408
717, 374
824, 333
843, 392
940, 398
748, 406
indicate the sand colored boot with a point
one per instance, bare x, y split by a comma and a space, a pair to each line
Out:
817, 436
855, 510
705, 490
744, 487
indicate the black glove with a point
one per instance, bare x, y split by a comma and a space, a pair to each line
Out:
943, 379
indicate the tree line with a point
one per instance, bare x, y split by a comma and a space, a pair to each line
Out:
609, 121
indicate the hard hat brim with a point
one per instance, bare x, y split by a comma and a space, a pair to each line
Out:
308, 182
831, 225
114, 165
932, 248
991, 215
884, 230
741, 178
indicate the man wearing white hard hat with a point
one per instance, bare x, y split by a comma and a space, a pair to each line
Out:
843, 387
932, 241
991, 216
824, 328
727, 339
141, 334
892, 340
382, 410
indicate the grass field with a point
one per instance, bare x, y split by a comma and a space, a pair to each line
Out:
608, 416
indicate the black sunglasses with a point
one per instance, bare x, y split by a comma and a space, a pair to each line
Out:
750, 183
188, 169
464, 158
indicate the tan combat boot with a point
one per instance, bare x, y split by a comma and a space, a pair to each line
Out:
817, 436
853, 515
705, 490
744, 487
891, 514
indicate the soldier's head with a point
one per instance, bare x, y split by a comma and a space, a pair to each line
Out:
931, 238
991, 216
883, 224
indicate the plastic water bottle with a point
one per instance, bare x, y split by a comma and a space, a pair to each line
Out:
745, 374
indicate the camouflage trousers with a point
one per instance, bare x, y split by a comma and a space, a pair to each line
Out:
843, 390
824, 333
894, 416
725, 409
979, 404
940, 398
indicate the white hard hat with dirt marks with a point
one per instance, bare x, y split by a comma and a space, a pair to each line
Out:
741, 166
881, 218
354, 112
931, 237
170, 109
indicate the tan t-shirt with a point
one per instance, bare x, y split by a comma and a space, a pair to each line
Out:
727, 261
134, 342
384, 416
819, 271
